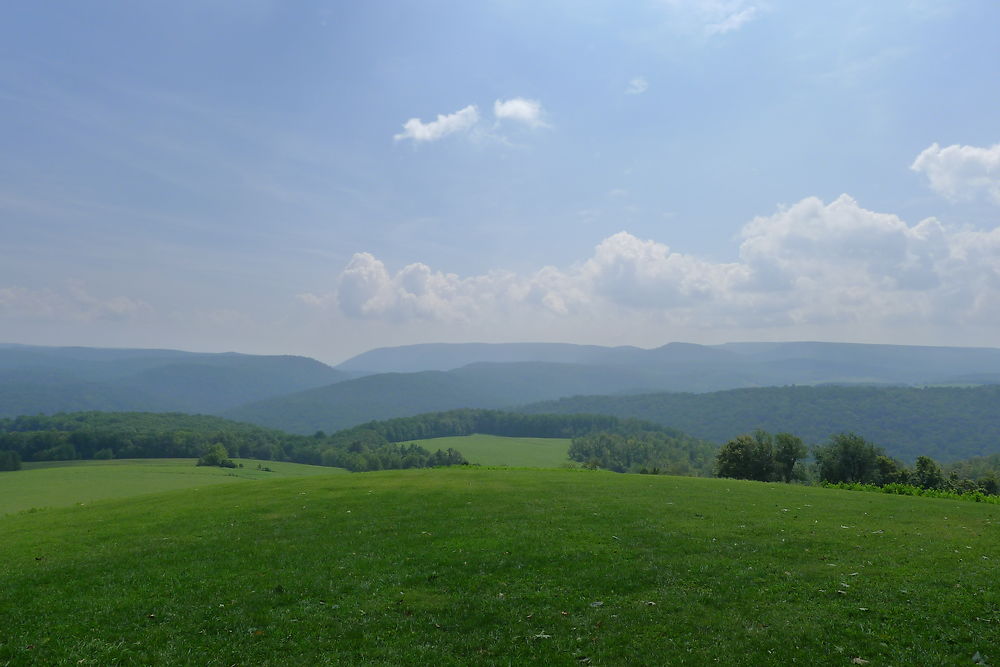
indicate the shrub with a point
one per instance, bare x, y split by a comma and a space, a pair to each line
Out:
216, 455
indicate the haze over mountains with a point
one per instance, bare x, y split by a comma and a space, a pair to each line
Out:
692, 367
302, 395
47, 380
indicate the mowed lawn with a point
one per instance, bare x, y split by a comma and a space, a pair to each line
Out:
498, 567
61, 483
495, 450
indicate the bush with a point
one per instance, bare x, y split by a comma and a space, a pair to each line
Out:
911, 490
216, 455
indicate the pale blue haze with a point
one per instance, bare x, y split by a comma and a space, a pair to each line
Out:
202, 174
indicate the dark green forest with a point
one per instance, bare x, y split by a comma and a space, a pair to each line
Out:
512, 424
598, 441
654, 452
946, 423
371, 446
107, 435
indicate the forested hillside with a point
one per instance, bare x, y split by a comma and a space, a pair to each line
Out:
498, 422
692, 367
103, 435
946, 423
390, 395
370, 446
48, 380
621, 445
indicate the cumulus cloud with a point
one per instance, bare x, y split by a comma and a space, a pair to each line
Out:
637, 86
521, 110
961, 172
367, 289
462, 120
812, 263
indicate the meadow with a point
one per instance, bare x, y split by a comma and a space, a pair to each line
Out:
495, 450
499, 566
61, 483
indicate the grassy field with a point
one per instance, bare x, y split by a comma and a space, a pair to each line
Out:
497, 567
494, 450
61, 483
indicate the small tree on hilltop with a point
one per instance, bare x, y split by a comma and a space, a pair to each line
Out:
891, 471
788, 449
927, 473
747, 457
216, 455
848, 458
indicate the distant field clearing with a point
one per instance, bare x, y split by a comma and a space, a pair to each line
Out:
495, 450
63, 483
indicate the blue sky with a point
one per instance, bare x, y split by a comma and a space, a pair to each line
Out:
325, 177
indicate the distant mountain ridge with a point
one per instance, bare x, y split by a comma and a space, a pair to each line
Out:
35, 379
449, 356
693, 367
479, 385
302, 395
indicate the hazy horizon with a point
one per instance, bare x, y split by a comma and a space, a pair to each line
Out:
323, 178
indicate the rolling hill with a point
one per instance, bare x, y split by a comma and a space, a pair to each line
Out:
481, 385
946, 423
301, 395
691, 367
497, 567
47, 380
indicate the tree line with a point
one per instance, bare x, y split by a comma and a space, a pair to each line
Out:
102, 435
373, 446
654, 452
468, 421
846, 458
946, 423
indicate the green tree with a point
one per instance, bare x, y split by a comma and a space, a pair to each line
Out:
927, 473
988, 484
848, 458
747, 457
788, 449
216, 455
890, 471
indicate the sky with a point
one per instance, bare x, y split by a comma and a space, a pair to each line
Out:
323, 178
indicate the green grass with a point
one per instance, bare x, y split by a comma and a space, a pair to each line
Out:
494, 450
61, 483
499, 567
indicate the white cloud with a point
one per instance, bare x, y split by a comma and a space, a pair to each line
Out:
521, 110
715, 17
366, 289
809, 264
732, 22
637, 86
462, 120
467, 120
961, 172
